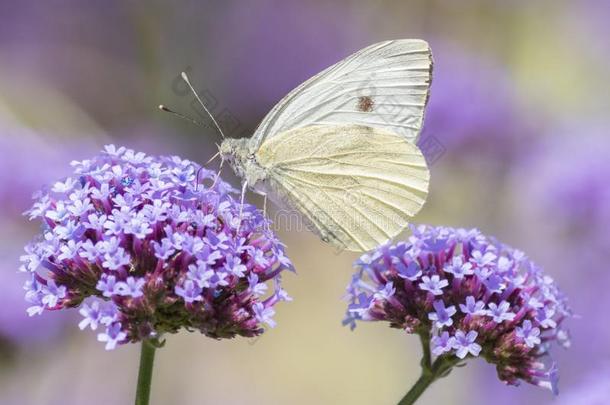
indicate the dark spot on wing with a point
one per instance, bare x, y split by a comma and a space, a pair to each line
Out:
365, 104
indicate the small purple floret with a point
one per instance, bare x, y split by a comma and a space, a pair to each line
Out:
465, 343
441, 315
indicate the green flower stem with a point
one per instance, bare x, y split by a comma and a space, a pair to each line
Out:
147, 359
426, 363
430, 371
415, 392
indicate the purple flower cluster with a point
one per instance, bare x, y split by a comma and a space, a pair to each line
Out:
144, 248
470, 295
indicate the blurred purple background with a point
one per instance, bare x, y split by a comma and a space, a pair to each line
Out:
519, 103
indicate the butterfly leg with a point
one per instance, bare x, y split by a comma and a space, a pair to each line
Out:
265, 211
241, 205
217, 175
264, 205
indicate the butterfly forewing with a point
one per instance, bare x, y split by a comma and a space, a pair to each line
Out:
384, 86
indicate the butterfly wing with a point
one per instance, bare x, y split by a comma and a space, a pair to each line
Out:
356, 185
384, 85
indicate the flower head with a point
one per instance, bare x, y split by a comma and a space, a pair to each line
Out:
509, 311
143, 247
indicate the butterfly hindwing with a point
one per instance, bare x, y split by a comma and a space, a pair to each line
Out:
357, 185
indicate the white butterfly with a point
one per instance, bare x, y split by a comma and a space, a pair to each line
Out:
341, 147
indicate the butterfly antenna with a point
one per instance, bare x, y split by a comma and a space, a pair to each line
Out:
188, 82
181, 116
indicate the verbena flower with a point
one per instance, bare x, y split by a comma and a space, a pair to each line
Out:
470, 295
144, 247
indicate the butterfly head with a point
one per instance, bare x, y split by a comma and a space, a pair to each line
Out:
232, 149
243, 162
